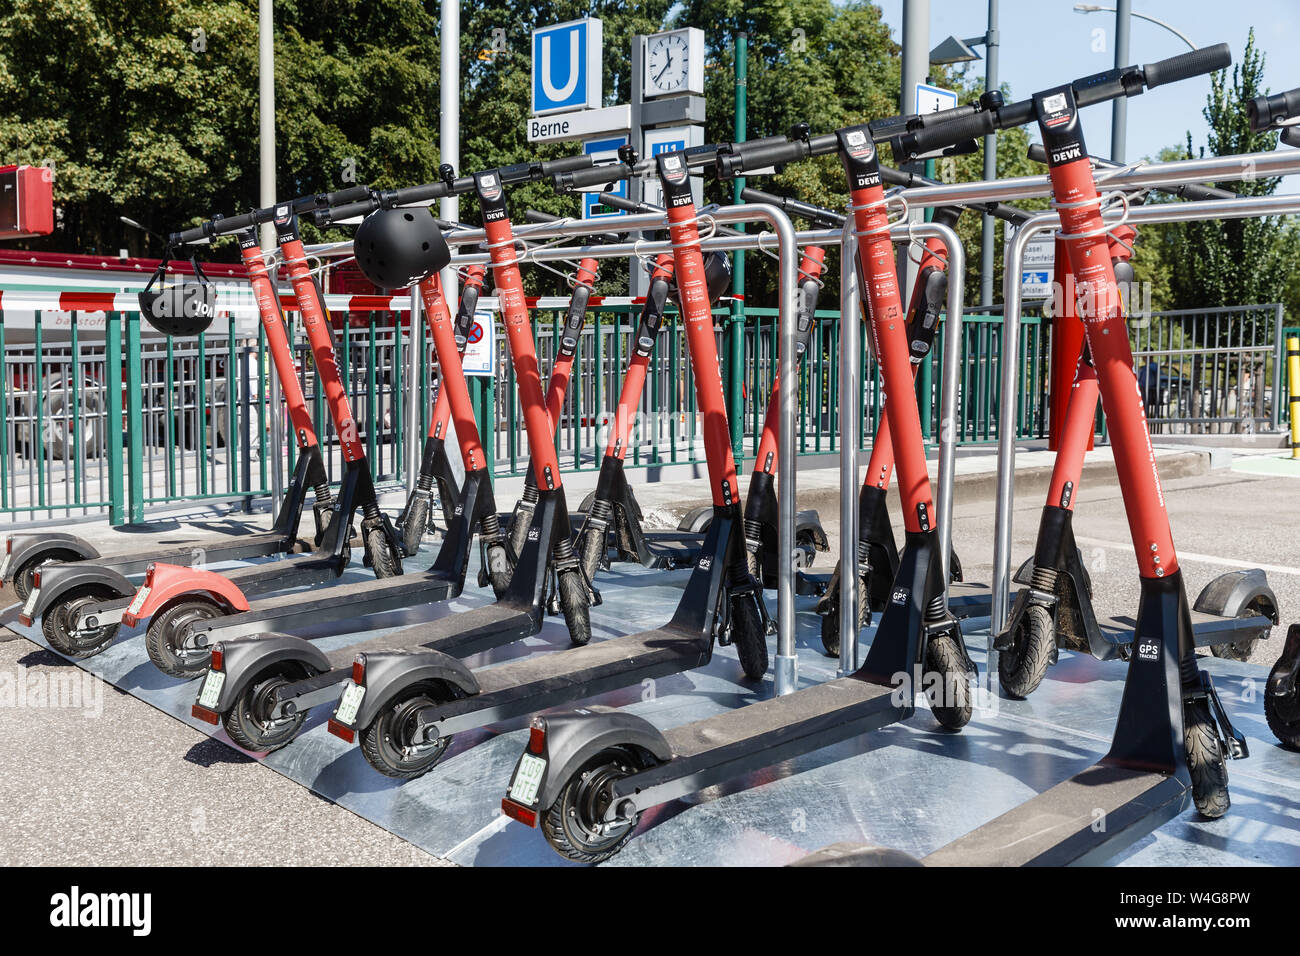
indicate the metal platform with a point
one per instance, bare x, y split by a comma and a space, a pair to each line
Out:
909, 786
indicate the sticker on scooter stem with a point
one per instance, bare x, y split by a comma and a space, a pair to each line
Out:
1059, 121
900, 596
1148, 649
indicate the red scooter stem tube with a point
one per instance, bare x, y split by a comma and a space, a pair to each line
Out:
811, 266
698, 316
1080, 417
317, 324
1083, 230
453, 387
277, 341
519, 330
562, 367
629, 398
888, 330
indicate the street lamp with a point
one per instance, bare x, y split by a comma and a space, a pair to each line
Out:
955, 50
1094, 8
1119, 110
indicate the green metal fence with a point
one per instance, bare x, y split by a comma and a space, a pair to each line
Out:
103, 416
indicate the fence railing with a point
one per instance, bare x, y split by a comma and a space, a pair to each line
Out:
105, 421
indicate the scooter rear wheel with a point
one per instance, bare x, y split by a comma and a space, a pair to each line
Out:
23, 575
1283, 715
1023, 666
950, 699
249, 723
388, 742
749, 636
58, 624
573, 825
166, 639
1205, 761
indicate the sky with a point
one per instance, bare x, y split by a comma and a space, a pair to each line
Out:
1045, 43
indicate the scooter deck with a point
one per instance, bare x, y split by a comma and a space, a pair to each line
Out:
1207, 629
673, 549
539, 681
237, 548
461, 634
1086, 819
342, 602
720, 748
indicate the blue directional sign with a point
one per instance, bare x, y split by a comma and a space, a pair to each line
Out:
566, 66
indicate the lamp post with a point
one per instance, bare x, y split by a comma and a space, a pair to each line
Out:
953, 50
1123, 11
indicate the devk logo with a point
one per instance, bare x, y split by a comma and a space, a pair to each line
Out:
77, 909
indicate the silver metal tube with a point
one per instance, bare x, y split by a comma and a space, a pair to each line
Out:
266, 114
415, 376
988, 226
786, 665
1119, 107
850, 349
956, 272
1243, 208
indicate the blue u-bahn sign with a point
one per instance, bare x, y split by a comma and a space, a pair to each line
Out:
566, 66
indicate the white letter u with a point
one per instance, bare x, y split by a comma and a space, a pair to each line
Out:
554, 93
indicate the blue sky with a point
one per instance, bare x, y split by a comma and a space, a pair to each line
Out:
1045, 43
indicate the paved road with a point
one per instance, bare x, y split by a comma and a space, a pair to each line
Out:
127, 784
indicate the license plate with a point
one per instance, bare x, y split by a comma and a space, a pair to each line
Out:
4, 565
528, 779
211, 692
31, 603
141, 596
350, 703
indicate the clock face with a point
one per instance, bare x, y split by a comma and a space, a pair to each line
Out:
668, 63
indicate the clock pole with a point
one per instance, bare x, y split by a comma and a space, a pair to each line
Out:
736, 327
636, 137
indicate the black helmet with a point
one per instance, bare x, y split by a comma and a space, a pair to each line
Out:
717, 276
396, 248
186, 308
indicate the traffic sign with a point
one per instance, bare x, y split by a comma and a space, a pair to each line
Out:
567, 66
603, 151
934, 99
579, 124
480, 354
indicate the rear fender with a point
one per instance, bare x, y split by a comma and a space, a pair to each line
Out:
809, 523
166, 583
1230, 594
389, 674
574, 737
696, 520
23, 548
59, 580
247, 658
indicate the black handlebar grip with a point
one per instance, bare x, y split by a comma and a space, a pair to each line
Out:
1037, 153
627, 205
347, 211
1186, 65
757, 156
568, 164
351, 194
1268, 111
955, 131
592, 176
536, 215
188, 235
221, 227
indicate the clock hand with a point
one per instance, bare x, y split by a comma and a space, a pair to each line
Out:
664, 70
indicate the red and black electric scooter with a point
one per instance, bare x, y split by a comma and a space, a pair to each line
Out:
70, 590
587, 775
435, 468
173, 597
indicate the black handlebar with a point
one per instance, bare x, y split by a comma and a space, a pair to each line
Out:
221, 225
1266, 112
947, 128
1187, 190
794, 207
757, 154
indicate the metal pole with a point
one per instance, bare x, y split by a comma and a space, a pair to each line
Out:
850, 388
1119, 109
948, 395
414, 376
638, 281
916, 67
449, 209
786, 668
736, 330
988, 229
266, 114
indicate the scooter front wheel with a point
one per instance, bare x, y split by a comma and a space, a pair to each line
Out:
1205, 761
414, 524
1283, 715
389, 744
575, 602
59, 624
168, 641
829, 609
1022, 667
383, 562
948, 683
749, 635
574, 825
249, 722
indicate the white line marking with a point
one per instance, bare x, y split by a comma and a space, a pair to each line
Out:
1202, 558
493, 828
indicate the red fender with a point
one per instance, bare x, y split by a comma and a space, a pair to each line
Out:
163, 583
